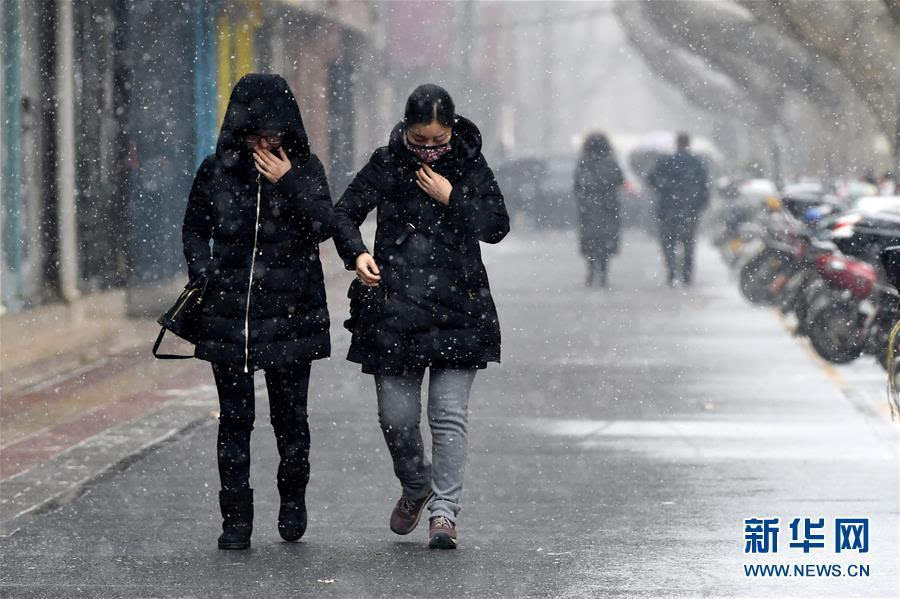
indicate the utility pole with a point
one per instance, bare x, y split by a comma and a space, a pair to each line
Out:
65, 148
545, 46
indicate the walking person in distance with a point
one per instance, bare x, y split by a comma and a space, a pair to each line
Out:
598, 180
682, 194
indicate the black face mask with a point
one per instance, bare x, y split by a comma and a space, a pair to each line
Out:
426, 153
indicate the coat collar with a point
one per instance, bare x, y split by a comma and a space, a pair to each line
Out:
466, 141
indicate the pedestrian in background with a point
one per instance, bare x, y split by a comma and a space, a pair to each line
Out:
886, 185
263, 200
423, 301
682, 194
598, 179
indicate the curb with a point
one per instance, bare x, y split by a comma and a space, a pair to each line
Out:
57, 481
50, 484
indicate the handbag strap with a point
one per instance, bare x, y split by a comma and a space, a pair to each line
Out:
160, 356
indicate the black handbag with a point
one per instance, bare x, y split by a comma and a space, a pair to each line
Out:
366, 304
183, 318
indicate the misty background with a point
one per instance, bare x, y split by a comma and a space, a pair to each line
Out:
109, 106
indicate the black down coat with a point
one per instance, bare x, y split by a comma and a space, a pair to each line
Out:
264, 305
682, 189
433, 306
596, 190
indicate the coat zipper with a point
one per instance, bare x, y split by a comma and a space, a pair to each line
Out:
250, 284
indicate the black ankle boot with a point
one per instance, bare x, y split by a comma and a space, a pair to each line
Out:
292, 515
237, 519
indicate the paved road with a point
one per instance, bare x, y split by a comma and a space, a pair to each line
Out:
615, 453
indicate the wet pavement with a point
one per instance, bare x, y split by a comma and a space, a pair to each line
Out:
616, 452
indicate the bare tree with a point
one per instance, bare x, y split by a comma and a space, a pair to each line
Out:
705, 88
861, 38
796, 93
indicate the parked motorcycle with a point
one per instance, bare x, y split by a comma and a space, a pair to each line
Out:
807, 255
838, 319
857, 311
768, 255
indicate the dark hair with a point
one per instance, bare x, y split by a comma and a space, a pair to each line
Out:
429, 103
596, 146
682, 141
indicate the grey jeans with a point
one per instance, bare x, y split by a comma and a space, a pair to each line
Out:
399, 411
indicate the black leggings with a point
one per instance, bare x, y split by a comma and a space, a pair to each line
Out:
288, 390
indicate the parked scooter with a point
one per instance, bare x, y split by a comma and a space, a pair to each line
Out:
809, 257
805, 283
839, 317
780, 262
858, 310
770, 254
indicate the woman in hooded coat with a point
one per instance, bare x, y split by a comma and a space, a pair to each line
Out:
597, 181
263, 201
423, 300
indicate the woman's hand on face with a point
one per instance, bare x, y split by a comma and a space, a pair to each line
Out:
435, 185
271, 167
367, 270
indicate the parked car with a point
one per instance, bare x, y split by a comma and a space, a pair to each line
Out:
558, 209
522, 182
540, 189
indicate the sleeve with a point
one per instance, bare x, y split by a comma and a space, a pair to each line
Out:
579, 191
308, 187
477, 206
618, 177
360, 198
197, 228
578, 188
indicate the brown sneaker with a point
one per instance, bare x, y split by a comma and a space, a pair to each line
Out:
406, 513
442, 533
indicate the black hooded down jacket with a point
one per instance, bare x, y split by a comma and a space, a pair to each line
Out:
435, 304
264, 305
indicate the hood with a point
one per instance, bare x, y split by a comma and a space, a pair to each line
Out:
465, 143
261, 102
